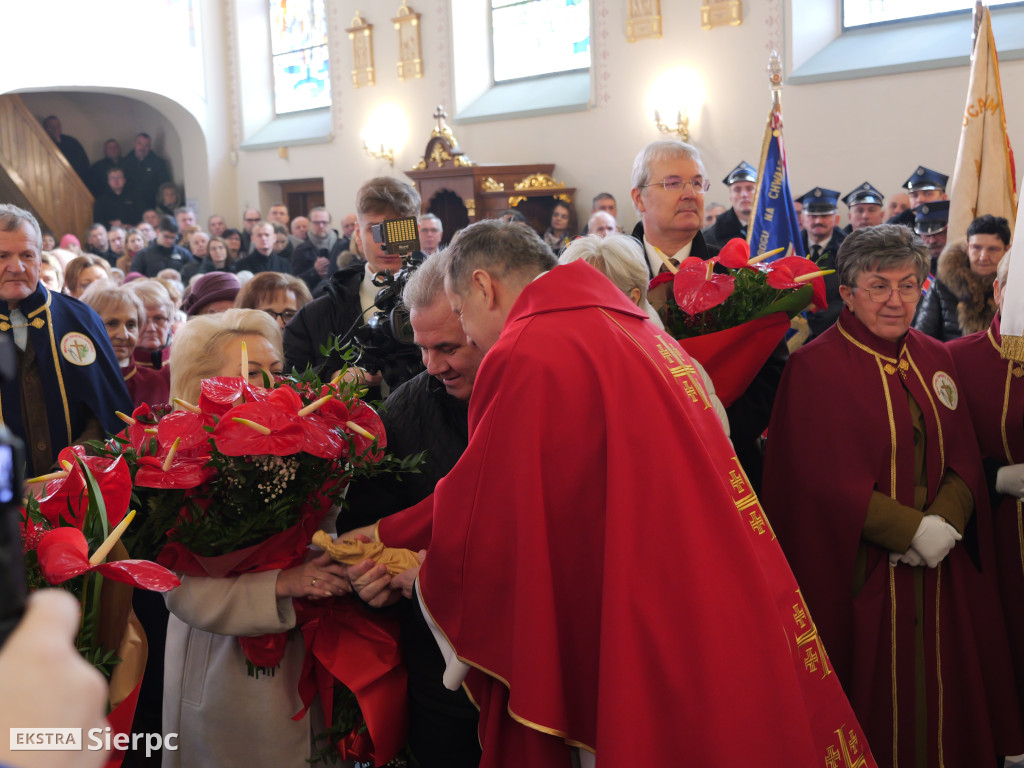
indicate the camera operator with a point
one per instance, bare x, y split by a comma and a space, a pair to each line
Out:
350, 295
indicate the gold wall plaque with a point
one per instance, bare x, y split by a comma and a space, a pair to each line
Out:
718, 13
643, 19
410, 53
539, 181
490, 185
361, 35
471, 206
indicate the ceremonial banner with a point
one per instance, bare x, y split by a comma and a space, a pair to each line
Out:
984, 176
773, 220
1012, 315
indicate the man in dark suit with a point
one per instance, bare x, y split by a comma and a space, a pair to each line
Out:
742, 182
69, 146
821, 239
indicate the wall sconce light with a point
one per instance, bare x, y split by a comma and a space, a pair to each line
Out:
680, 129
387, 128
678, 91
384, 153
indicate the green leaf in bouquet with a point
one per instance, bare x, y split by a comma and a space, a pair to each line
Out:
792, 303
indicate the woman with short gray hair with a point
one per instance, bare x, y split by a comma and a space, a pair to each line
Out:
875, 522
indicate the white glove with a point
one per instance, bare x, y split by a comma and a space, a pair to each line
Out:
910, 557
1010, 480
934, 539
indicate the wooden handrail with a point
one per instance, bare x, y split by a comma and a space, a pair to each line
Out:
34, 173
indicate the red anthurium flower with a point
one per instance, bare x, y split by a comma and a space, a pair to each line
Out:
64, 554
186, 426
735, 254
782, 274
261, 428
219, 394
68, 497
184, 472
697, 288
366, 420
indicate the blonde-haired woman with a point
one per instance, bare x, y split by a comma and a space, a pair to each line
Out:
208, 693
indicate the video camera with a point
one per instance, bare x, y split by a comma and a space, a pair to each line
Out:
385, 342
12, 460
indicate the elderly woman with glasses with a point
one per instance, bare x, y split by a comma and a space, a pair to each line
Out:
873, 485
279, 295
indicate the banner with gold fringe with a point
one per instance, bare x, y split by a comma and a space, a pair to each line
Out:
984, 176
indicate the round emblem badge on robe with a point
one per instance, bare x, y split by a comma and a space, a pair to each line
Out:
77, 348
945, 389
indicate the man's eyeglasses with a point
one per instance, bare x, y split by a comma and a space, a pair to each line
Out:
284, 317
252, 221
880, 293
673, 184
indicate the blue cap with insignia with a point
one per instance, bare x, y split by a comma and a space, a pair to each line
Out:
865, 193
925, 178
742, 172
820, 201
931, 218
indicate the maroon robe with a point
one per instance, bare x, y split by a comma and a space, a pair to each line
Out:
598, 558
147, 385
841, 429
994, 391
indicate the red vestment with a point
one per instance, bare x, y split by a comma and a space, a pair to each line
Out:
994, 390
598, 558
841, 429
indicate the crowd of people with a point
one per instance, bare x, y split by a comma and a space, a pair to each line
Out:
598, 575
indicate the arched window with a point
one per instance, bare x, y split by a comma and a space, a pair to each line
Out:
539, 37
298, 42
858, 13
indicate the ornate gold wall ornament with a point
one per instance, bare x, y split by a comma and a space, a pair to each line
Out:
564, 198
643, 20
361, 35
539, 181
515, 200
410, 52
490, 185
440, 154
471, 207
718, 13
442, 146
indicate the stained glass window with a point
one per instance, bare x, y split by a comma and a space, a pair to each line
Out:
539, 37
860, 12
298, 39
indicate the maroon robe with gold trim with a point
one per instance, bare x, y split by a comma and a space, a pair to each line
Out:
841, 429
994, 391
147, 385
598, 558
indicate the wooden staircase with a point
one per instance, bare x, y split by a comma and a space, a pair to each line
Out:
35, 175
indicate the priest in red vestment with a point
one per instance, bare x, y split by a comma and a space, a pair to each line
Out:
994, 392
596, 558
874, 486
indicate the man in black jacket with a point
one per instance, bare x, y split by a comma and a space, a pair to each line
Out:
351, 293
668, 191
162, 253
428, 413
821, 239
315, 259
742, 182
262, 258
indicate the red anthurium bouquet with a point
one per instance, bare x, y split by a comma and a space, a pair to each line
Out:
83, 509
237, 483
730, 311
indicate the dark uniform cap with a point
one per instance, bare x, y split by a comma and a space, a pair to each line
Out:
742, 172
865, 193
925, 178
931, 218
820, 201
